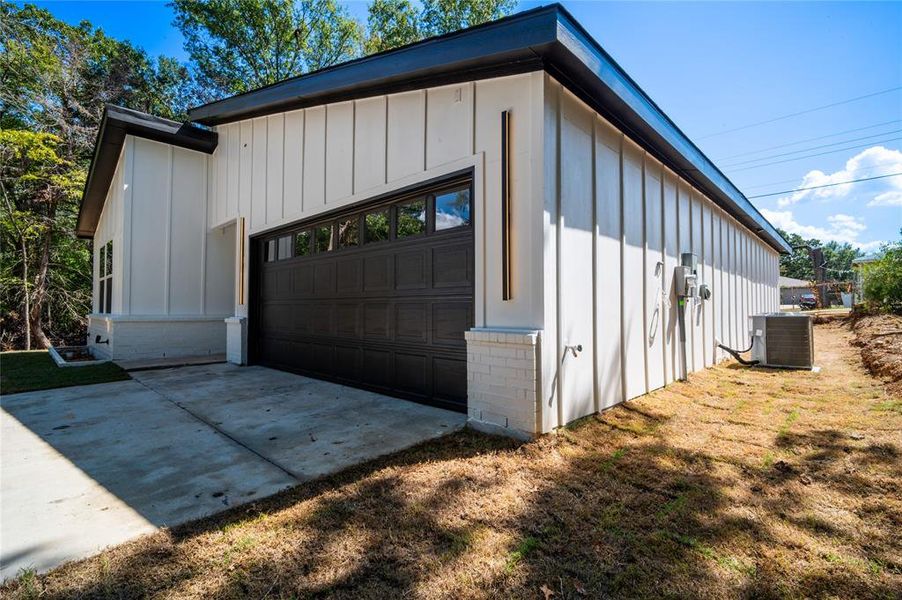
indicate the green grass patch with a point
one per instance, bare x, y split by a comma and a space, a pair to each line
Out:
610, 462
523, 548
35, 370
791, 418
889, 406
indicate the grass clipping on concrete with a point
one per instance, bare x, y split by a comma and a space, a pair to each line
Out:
35, 370
741, 482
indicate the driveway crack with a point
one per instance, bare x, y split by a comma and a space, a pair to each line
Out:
218, 429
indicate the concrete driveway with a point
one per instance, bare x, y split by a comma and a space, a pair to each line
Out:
86, 467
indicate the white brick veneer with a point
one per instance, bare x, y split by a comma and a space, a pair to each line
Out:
140, 338
236, 340
503, 380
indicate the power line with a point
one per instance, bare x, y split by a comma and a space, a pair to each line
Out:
814, 139
801, 112
826, 185
760, 158
763, 185
786, 160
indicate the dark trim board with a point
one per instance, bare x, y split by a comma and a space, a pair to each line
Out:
546, 38
116, 123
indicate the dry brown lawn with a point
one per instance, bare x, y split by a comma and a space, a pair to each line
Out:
742, 482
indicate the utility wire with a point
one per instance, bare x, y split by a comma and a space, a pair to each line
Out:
786, 160
764, 185
801, 112
826, 185
814, 139
858, 139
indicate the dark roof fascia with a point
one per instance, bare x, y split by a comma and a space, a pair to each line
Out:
546, 38
117, 122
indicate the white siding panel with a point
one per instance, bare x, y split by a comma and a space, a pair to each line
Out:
671, 260
294, 164
234, 172
339, 151
449, 123
698, 342
369, 143
406, 134
575, 266
219, 283
684, 241
717, 283
607, 264
258, 180
245, 168
550, 356
187, 233
654, 275
275, 155
314, 159
633, 245
148, 234
708, 307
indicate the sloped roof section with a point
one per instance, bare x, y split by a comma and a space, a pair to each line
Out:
546, 38
117, 122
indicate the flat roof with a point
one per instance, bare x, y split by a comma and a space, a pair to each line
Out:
546, 38
116, 123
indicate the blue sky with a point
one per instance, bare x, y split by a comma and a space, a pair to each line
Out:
715, 67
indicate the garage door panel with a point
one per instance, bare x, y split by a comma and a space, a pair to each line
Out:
387, 315
411, 323
377, 273
347, 320
410, 270
449, 377
450, 266
324, 279
349, 280
411, 373
375, 320
302, 282
449, 321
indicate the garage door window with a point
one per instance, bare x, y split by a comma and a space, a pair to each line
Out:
411, 218
376, 226
349, 232
284, 247
324, 238
452, 209
303, 244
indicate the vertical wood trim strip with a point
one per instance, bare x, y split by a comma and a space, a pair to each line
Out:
505, 207
241, 260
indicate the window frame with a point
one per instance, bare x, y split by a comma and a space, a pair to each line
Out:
105, 279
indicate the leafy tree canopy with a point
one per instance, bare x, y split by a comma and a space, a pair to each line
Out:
393, 23
838, 258
240, 45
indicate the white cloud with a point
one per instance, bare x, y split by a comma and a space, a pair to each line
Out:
874, 161
841, 228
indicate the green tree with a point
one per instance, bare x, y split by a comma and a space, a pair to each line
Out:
240, 45
55, 79
882, 283
393, 23
838, 258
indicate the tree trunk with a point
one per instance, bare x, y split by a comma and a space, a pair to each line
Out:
40, 294
26, 295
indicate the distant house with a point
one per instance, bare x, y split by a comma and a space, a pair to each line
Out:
488, 221
791, 289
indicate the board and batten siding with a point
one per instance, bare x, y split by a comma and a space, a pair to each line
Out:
616, 223
283, 168
166, 263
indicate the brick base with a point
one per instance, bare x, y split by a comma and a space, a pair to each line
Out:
503, 380
146, 338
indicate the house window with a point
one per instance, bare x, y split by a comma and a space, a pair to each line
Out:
411, 218
452, 209
105, 277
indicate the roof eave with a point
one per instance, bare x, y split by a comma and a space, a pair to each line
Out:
116, 123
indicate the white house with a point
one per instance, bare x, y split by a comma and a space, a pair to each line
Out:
487, 221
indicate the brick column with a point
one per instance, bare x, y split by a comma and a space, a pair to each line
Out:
503, 380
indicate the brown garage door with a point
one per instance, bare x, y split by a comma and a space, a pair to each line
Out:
378, 297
